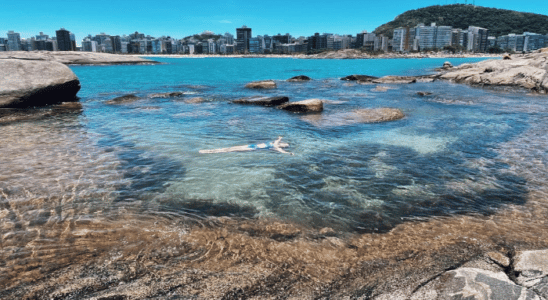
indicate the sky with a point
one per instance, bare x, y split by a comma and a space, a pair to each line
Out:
181, 18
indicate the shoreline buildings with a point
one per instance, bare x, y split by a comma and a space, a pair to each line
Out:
404, 39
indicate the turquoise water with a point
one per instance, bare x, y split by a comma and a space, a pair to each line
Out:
441, 159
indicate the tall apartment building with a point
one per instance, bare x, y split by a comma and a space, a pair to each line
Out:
443, 36
243, 35
14, 41
477, 39
63, 40
42, 37
534, 41
403, 39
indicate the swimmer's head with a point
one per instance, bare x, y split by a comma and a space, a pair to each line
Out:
283, 145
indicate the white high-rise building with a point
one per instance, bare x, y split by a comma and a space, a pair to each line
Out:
14, 41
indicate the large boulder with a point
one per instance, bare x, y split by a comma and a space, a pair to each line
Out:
166, 95
123, 99
299, 78
76, 57
263, 84
396, 79
447, 65
362, 78
531, 269
264, 101
310, 105
36, 83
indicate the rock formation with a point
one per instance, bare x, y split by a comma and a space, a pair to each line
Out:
166, 95
263, 84
299, 78
76, 58
36, 83
264, 101
123, 99
423, 94
396, 79
310, 105
195, 100
361, 78
529, 71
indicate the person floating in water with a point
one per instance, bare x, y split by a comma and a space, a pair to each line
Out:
276, 145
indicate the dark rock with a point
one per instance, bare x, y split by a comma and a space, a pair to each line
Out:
265, 101
299, 78
123, 99
423, 94
396, 79
166, 95
36, 83
263, 84
362, 78
506, 57
310, 105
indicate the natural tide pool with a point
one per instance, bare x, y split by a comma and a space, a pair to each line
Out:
462, 152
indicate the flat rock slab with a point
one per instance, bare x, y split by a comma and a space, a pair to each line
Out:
264, 84
166, 95
531, 266
36, 83
299, 78
423, 94
76, 58
474, 284
359, 116
264, 101
395, 79
363, 78
123, 99
310, 105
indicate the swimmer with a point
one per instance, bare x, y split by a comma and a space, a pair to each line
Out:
276, 145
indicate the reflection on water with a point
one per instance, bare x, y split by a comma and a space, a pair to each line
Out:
117, 201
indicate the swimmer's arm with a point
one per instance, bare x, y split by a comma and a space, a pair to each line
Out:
283, 151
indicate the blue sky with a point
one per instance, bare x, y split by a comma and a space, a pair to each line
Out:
182, 18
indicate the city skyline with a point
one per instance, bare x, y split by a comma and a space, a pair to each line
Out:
178, 20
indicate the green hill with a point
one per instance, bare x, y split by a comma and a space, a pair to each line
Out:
498, 21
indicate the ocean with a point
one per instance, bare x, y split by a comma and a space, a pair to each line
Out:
95, 202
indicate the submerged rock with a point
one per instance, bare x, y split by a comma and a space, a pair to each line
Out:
264, 101
359, 116
195, 100
423, 94
362, 78
396, 79
376, 115
123, 99
299, 78
36, 83
381, 88
263, 84
166, 95
310, 105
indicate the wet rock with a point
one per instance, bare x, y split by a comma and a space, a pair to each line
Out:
355, 117
264, 101
531, 267
310, 105
35, 83
68, 106
423, 94
396, 79
195, 100
362, 78
473, 283
299, 78
447, 65
166, 95
499, 258
264, 84
123, 99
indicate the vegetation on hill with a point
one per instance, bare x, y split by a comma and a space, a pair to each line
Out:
203, 37
498, 21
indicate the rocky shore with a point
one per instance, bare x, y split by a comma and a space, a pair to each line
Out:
76, 58
528, 71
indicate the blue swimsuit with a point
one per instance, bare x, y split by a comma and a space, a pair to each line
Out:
269, 145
